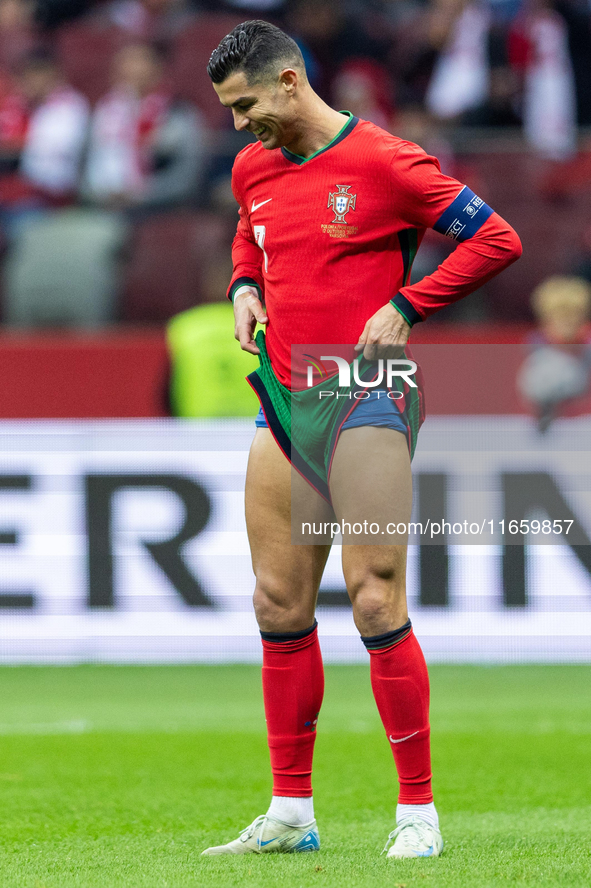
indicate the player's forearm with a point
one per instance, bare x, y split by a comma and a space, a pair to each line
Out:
474, 262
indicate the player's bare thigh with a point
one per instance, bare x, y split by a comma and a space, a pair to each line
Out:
288, 576
371, 482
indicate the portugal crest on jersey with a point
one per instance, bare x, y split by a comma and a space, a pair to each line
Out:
341, 202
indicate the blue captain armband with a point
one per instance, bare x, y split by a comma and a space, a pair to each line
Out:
464, 216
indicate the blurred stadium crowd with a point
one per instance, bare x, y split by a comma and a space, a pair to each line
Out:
115, 154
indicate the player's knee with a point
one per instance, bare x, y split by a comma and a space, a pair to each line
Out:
370, 605
374, 591
270, 593
279, 608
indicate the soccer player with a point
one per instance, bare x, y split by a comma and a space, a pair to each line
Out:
332, 210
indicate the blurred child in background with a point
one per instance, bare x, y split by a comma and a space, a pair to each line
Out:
555, 376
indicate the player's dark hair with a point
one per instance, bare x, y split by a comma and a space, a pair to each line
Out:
257, 48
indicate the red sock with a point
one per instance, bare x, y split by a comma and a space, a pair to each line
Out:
400, 685
293, 687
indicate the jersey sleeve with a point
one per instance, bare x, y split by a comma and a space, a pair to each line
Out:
246, 255
425, 198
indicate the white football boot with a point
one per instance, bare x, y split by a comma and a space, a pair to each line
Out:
414, 838
267, 834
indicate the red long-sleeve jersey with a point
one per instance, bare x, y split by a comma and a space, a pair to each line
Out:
331, 238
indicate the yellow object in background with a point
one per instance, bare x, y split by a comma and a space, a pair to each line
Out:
208, 365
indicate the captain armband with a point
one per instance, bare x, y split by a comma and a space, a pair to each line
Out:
464, 216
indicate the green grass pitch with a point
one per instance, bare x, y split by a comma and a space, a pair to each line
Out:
119, 776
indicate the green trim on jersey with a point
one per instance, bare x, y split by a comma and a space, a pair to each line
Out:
399, 310
307, 427
408, 239
300, 160
241, 283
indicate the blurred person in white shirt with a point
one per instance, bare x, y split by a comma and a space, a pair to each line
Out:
459, 30
145, 150
549, 95
55, 128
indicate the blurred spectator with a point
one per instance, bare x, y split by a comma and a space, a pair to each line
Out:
13, 124
577, 17
549, 102
49, 165
51, 13
363, 87
562, 308
331, 36
460, 80
17, 32
394, 13
254, 8
57, 128
583, 265
145, 150
555, 376
152, 20
413, 51
501, 104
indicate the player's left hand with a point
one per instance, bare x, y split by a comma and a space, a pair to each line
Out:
385, 334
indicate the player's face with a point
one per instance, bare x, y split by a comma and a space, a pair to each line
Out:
264, 109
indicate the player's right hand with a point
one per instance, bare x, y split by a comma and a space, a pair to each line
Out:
248, 311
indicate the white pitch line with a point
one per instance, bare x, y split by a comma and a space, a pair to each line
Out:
66, 727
